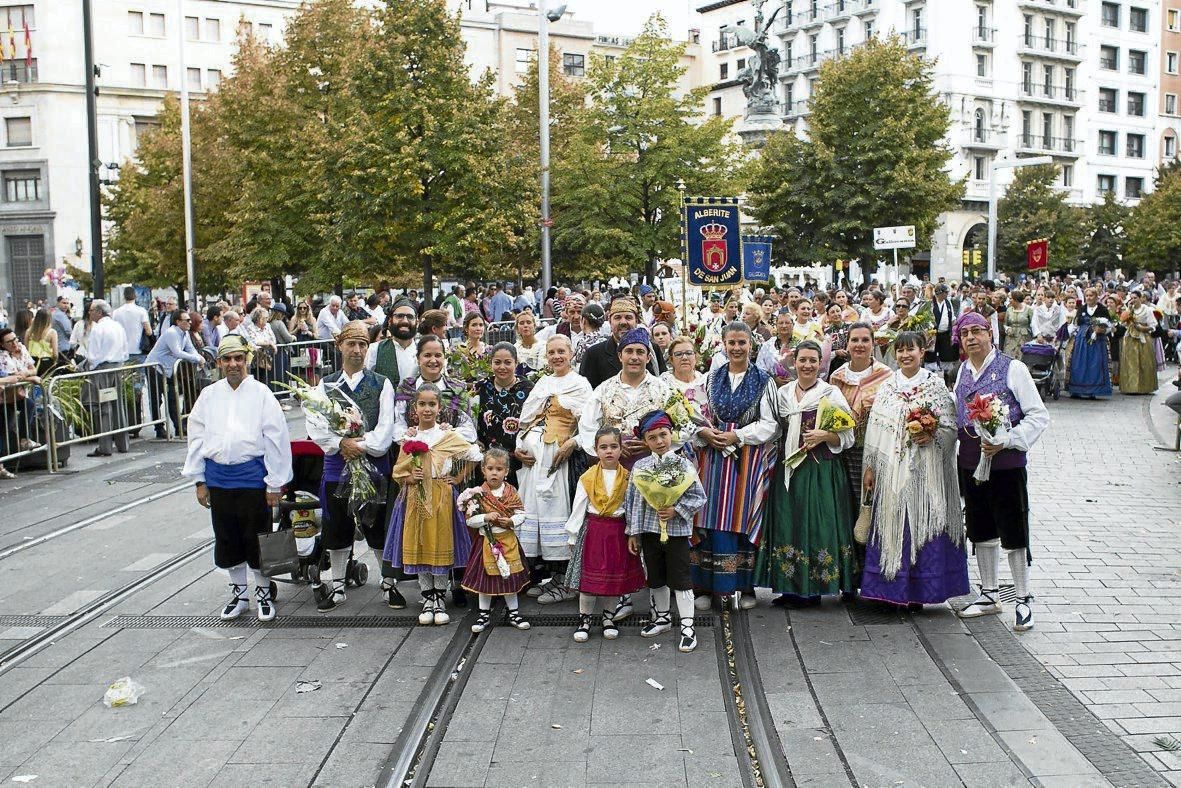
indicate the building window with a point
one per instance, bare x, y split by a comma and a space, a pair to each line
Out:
1137, 61
741, 64
868, 30
1047, 130
787, 56
1026, 127
245, 28
788, 13
1109, 58
1028, 30
724, 71
1068, 175
1133, 188
524, 60
717, 106
982, 21
1109, 15
1170, 62
978, 126
18, 132
982, 65
789, 94
978, 167
1107, 99
1174, 20
1048, 80
1049, 34
916, 23
1135, 146
1170, 147
135, 23
1136, 104
193, 78
1107, 143
840, 40
264, 32
1027, 78
1138, 20
192, 28
813, 47
1170, 103
213, 30
139, 75
212, 78
1068, 131
156, 25
22, 186
573, 65
160, 76
1106, 184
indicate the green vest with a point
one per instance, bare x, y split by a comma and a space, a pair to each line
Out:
387, 361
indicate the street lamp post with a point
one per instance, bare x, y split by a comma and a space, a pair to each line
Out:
186, 148
1003, 165
544, 17
93, 163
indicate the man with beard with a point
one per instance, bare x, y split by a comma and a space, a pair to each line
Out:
239, 455
373, 395
394, 356
602, 361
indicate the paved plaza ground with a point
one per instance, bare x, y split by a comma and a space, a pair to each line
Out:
854, 694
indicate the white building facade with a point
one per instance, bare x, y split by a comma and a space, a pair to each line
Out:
1072, 79
45, 212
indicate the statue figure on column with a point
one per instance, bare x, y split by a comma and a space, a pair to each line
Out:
761, 74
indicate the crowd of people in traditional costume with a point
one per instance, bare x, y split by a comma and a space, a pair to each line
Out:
787, 441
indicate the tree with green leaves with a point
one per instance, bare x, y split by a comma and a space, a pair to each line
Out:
875, 156
615, 186
1104, 234
1034, 207
425, 179
1154, 229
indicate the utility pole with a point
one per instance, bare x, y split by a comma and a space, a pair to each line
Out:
93, 163
186, 147
543, 125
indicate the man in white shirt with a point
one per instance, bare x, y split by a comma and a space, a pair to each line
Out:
133, 318
174, 345
330, 320
231, 323
103, 394
996, 499
373, 395
239, 455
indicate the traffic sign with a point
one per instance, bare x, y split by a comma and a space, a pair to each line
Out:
894, 237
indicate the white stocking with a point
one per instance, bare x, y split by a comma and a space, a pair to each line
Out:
340, 564
386, 582
510, 601
660, 597
485, 602
685, 604
238, 575
988, 555
260, 580
1019, 566
587, 604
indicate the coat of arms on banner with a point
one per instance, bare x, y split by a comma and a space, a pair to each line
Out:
713, 246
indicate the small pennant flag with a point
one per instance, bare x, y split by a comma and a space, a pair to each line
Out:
1037, 253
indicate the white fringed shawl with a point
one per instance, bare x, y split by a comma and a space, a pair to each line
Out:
915, 484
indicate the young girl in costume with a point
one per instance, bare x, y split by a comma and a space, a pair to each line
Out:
600, 564
497, 506
427, 535
663, 534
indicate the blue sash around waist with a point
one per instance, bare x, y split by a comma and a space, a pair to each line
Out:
334, 465
249, 475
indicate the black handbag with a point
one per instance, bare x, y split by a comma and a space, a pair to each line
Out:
277, 554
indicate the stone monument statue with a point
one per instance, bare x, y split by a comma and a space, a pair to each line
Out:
761, 75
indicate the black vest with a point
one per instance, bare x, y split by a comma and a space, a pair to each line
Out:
367, 395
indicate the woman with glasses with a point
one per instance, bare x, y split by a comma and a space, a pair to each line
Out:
302, 325
682, 373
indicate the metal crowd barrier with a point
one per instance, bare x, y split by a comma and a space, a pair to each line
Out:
24, 425
86, 406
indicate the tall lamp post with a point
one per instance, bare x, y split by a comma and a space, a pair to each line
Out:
186, 148
544, 17
93, 163
1008, 164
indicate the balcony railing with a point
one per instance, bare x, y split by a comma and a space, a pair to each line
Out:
1067, 93
915, 37
724, 43
18, 71
797, 109
1040, 142
1063, 47
984, 35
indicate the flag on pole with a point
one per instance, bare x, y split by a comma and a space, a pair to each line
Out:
11, 39
1037, 253
28, 44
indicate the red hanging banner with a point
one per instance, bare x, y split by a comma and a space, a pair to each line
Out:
1037, 254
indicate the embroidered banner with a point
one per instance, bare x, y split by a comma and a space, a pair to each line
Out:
1037, 253
756, 258
711, 241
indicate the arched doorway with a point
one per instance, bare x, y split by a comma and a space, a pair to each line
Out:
974, 255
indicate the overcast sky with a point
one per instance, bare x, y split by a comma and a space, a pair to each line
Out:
628, 16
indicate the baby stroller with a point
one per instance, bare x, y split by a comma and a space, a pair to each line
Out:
300, 510
1044, 360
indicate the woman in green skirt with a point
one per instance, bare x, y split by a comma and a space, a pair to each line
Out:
807, 547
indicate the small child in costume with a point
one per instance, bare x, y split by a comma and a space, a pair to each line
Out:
663, 534
600, 563
427, 535
495, 567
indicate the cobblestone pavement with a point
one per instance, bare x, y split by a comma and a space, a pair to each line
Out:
1106, 511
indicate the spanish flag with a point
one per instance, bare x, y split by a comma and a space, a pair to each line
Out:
11, 40
28, 44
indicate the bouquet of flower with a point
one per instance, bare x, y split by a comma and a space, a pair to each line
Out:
921, 419
828, 417
706, 343
469, 502
58, 276
884, 337
663, 484
467, 365
356, 485
1099, 326
417, 450
990, 417
922, 320
681, 412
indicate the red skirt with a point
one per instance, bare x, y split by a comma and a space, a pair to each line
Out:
477, 580
608, 569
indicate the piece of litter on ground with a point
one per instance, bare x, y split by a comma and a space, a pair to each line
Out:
112, 739
654, 684
123, 692
685, 749
306, 686
817, 738
342, 645
578, 671
825, 643
1033, 740
963, 752
556, 727
654, 647
24, 778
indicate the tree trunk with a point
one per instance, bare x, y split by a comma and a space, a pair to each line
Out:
428, 284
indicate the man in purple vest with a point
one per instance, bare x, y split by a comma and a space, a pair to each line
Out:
997, 510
